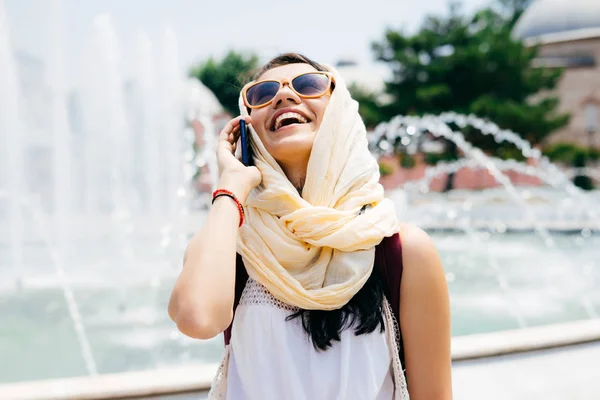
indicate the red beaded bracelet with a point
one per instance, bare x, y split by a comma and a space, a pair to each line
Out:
222, 192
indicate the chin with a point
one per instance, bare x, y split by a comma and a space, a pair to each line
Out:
289, 145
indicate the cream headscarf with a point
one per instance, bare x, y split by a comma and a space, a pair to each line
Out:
317, 250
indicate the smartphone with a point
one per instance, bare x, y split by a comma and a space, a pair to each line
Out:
245, 141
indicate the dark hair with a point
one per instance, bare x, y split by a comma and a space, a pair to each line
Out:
285, 59
364, 312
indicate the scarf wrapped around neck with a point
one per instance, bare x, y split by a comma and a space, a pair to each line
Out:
316, 250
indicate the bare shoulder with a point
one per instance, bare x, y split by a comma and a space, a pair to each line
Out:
419, 254
423, 283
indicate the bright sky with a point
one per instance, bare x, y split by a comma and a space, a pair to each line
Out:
321, 29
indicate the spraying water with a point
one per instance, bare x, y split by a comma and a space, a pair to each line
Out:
99, 195
11, 137
122, 201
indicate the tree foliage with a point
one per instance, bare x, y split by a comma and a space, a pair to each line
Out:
368, 105
472, 64
226, 77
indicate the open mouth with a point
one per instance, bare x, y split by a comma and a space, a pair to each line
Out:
287, 119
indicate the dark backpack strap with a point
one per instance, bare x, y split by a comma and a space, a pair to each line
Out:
388, 261
241, 277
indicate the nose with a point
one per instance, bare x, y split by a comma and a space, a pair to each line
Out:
286, 95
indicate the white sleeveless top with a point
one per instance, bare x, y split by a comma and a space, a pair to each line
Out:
273, 359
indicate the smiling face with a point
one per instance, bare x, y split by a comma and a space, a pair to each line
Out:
287, 127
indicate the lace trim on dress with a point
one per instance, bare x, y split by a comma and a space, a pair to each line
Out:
255, 293
218, 388
393, 335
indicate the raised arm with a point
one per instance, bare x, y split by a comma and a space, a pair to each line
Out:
201, 303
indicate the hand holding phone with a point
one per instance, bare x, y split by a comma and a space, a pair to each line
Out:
245, 142
232, 175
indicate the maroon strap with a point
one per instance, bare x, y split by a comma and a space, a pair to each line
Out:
388, 261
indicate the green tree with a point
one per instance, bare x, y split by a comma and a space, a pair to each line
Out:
368, 105
225, 77
472, 64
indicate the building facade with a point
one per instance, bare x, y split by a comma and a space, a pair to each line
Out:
568, 35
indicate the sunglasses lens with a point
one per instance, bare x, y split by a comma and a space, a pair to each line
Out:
311, 84
261, 93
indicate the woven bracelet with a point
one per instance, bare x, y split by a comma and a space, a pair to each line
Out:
222, 192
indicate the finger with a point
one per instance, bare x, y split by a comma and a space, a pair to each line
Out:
224, 136
236, 135
232, 138
229, 127
232, 124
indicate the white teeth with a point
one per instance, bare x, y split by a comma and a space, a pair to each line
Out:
287, 115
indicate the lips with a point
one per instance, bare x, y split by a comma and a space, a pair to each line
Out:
286, 117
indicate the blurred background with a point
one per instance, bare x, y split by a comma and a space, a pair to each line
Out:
484, 115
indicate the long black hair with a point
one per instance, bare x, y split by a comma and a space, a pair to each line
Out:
364, 312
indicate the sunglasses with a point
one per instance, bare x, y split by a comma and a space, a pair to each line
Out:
308, 85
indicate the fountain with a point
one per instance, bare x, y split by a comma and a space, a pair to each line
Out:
406, 130
117, 161
12, 183
97, 205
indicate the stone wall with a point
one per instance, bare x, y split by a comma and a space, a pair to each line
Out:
576, 85
466, 178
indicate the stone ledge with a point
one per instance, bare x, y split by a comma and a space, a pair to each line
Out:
197, 378
136, 384
470, 347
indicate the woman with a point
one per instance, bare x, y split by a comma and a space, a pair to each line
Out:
313, 321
